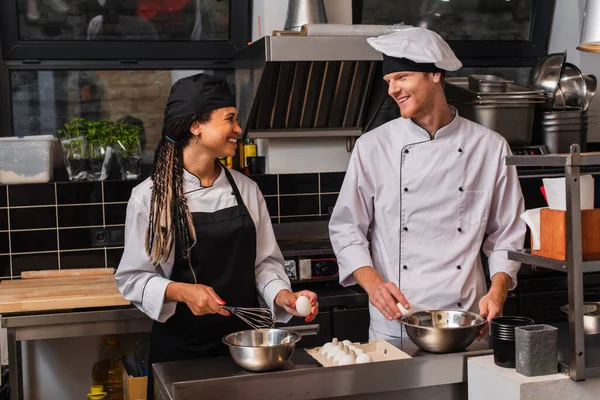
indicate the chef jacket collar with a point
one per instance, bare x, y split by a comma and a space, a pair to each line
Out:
446, 130
192, 183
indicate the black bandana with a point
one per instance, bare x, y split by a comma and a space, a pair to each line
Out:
197, 94
393, 64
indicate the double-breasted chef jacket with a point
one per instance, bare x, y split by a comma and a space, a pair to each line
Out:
429, 204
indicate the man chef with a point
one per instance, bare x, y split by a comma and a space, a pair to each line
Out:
431, 187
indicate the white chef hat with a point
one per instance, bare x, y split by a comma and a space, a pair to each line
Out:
415, 49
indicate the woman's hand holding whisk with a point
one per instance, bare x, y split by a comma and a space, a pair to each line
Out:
200, 299
287, 300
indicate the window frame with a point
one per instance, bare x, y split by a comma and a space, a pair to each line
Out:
12, 48
6, 115
499, 53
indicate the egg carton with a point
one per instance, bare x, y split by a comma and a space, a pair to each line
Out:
378, 349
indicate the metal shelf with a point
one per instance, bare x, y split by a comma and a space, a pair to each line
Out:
574, 266
553, 160
303, 133
526, 257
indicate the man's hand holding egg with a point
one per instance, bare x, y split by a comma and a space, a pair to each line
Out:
389, 300
301, 304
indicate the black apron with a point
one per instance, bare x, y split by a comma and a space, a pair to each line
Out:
223, 258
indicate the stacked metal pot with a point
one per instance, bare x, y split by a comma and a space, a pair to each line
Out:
496, 103
564, 119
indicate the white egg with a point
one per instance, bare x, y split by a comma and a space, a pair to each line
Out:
363, 358
338, 357
326, 347
347, 359
405, 312
334, 350
359, 351
303, 306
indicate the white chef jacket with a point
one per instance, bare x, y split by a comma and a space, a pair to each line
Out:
144, 284
429, 204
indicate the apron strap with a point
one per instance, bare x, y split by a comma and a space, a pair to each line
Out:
236, 191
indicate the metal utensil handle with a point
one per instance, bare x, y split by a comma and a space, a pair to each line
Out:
304, 330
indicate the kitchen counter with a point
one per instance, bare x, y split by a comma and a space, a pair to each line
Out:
96, 321
426, 375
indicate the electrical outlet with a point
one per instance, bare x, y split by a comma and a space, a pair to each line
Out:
108, 237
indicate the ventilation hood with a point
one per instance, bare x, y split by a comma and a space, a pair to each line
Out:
308, 86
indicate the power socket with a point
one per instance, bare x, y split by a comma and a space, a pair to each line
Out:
113, 236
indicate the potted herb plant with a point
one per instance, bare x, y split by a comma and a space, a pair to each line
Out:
98, 137
74, 145
126, 143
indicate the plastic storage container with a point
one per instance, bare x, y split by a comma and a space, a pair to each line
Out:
108, 371
26, 159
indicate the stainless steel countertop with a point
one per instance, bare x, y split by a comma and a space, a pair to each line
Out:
303, 378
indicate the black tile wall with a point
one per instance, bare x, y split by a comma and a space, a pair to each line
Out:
33, 241
32, 218
82, 259
299, 205
84, 215
33, 262
4, 248
31, 195
298, 183
50, 225
113, 257
76, 238
118, 190
328, 202
114, 214
266, 183
331, 182
272, 205
4, 266
79, 192
3, 219
2, 196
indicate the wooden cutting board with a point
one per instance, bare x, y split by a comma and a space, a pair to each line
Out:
45, 294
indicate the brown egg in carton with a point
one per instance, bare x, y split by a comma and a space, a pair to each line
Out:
377, 350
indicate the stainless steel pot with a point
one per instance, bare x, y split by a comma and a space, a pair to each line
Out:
440, 331
591, 317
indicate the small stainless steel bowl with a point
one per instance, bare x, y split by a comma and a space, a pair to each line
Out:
261, 350
439, 331
591, 317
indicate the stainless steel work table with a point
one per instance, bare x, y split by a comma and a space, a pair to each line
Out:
426, 375
69, 323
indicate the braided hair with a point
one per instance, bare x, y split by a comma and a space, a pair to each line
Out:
170, 218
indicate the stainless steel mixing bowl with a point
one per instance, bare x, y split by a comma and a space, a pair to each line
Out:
261, 350
440, 331
545, 75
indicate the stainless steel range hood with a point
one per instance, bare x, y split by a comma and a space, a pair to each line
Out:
307, 86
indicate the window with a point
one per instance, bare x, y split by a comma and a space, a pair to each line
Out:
43, 101
481, 32
123, 29
143, 20
457, 19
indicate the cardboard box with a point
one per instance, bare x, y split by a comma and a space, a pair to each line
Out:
134, 387
553, 234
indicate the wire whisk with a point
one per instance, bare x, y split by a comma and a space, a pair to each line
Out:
257, 318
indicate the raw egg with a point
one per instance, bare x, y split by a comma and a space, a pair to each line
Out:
303, 306
405, 312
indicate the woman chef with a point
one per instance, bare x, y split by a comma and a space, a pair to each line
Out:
197, 235
432, 187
